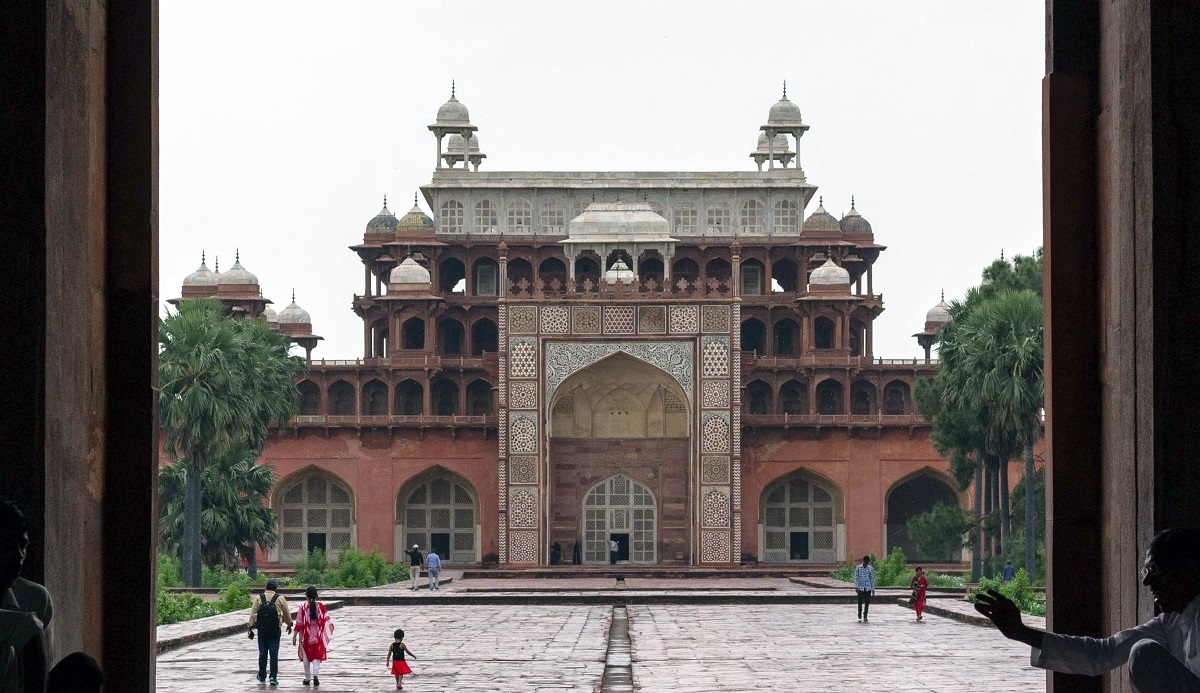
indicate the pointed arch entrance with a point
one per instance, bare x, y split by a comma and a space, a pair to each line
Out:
801, 520
439, 509
622, 510
316, 511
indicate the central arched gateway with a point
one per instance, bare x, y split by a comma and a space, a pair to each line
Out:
439, 510
800, 521
619, 459
622, 510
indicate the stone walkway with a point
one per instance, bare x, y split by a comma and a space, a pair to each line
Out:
675, 648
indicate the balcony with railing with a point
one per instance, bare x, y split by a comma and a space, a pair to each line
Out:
752, 361
833, 420
414, 358
393, 421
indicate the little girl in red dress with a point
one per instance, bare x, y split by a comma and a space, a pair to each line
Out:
396, 657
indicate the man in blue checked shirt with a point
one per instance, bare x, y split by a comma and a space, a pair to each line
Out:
864, 584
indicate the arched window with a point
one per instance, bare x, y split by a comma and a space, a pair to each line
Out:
787, 337
484, 337
451, 273
441, 514
553, 218
858, 334
451, 217
651, 268
793, 397
520, 217
487, 277
520, 272
413, 333
685, 219
784, 272
718, 268
823, 333
410, 398
479, 398
587, 268
622, 510
375, 399
799, 521
916, 496
485, 217
896, 398
752, 217
379, 338
829, 398
685, 269
719, 222
445, 397
754, 336
552, 269
758, 397
752, 278
862, 398
315, 513
450, 337
310, 398
341, 399
787, 217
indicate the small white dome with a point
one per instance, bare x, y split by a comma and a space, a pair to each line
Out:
203, 276
294, 314
939, 313
619, 272
784, 112
778, 146
453, 112
409, 272
829, 274
270, 315
237, 274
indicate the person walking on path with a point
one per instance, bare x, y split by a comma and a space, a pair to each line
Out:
864, 585
433, 563
268, 612
1163, 653
314, 628
415, 562
613, 547
919, 586
396, 658
1009, 572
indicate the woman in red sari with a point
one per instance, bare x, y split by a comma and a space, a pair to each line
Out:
919, 585
314, 629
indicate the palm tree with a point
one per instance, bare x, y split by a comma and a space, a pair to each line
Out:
1002, 355
222, 384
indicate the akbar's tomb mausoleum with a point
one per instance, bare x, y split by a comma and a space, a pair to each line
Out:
682, 362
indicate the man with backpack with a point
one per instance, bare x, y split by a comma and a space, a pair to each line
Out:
268, 612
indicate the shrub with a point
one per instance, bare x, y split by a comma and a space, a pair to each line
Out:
184, 606
170, 572
353, 569
893, 571
235, 597
1020, 590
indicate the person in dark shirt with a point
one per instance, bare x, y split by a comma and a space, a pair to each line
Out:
415, 562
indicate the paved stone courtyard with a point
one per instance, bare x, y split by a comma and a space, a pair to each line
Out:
676, 648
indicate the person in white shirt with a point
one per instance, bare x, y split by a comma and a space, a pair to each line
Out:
433, 563
1163, 653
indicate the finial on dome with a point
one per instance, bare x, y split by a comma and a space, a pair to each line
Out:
237, 254
785, 88
943, 294
821, 201
452, 89
414, 199
202, 257
385, 200
293, 294
851, 202
217, 264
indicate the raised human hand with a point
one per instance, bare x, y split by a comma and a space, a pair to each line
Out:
1002, 612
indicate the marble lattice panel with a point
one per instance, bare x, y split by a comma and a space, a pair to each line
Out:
585, 319
714, 432
522, 319
522, 432
714, 546
714, 507
522, 357
522, 394
714, 357
522, 546
714, 394
523, 469
618, 319
685, 319
556, 319
714, 469
652, 319
714, 319
522, 507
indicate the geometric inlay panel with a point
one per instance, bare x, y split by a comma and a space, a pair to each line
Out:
523, 470
586, 319
522, 432
522, 546
522, 320
618, 319
714, 318
714, 432
714, 355
714, 394
564, 358
522, 357
685, 318
522, 508
714, 547
714, 508
556, 319
714, 469
652, 319
522, 394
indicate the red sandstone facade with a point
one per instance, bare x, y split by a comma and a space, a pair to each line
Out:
680, 362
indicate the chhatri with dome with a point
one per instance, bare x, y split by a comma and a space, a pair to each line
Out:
681, 362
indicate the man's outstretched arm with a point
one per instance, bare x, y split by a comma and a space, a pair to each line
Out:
1007, 618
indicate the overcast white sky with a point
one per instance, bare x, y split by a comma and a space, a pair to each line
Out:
283, 124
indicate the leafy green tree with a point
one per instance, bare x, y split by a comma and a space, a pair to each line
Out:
222, 384
235, 508
939, 532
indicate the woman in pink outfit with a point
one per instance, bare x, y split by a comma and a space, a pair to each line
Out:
919, 586
314, 628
